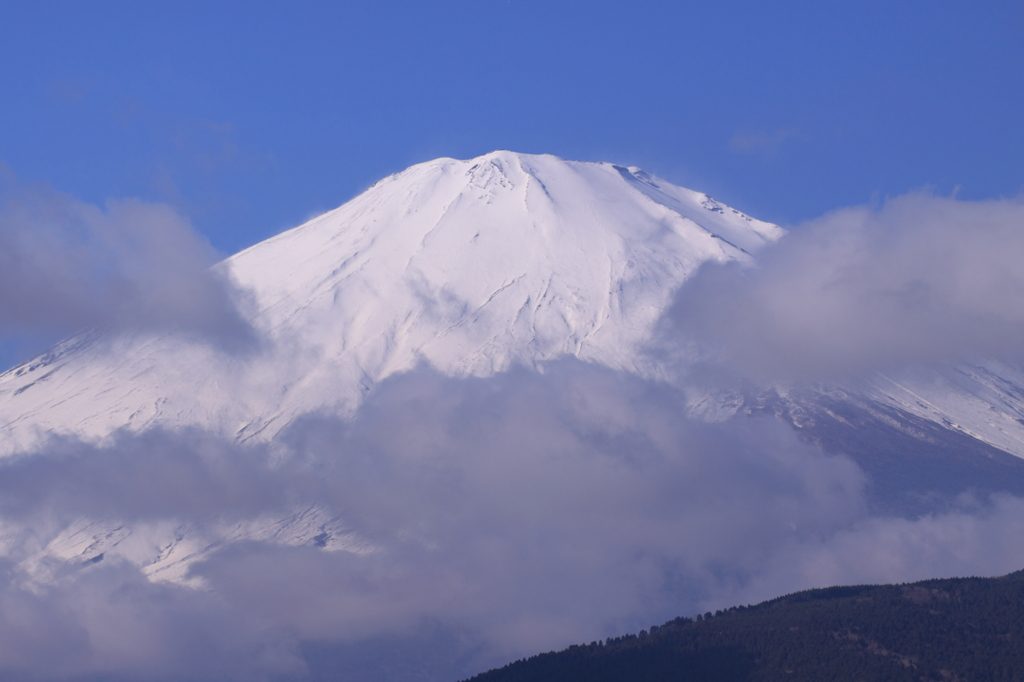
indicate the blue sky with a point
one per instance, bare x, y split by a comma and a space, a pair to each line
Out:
250, 117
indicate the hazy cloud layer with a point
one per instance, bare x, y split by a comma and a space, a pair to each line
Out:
921, 279
521, 512
495, 517
66, 265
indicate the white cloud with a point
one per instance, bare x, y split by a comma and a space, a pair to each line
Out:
518, 513
66, 265
922, 279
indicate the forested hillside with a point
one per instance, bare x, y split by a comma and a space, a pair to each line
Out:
960, 629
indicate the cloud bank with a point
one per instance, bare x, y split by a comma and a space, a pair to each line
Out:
516, 514
483, 519
66, 265
920, 280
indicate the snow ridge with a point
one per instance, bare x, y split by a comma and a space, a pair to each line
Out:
470, 266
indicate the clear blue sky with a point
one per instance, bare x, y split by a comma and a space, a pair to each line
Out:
250, 117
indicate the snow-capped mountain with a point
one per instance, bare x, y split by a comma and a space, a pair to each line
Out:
470, 266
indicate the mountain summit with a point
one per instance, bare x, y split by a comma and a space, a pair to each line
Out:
470, 266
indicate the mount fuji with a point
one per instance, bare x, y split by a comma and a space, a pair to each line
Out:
471, 268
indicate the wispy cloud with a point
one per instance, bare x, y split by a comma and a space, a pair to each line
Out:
66, 265
68, 91
922, 279
763, 143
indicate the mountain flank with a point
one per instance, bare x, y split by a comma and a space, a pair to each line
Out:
952, 630
471, 267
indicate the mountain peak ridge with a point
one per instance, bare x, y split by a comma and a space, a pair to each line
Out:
470, 266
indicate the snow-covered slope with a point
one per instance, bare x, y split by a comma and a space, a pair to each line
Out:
470, 266
984, 400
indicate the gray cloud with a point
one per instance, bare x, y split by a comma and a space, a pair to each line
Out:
186, 474
110, 623
66, 265
766, 144
922, 279
516, 514
977, 538
506, 515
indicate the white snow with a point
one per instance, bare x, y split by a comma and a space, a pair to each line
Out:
982, 399
470, 266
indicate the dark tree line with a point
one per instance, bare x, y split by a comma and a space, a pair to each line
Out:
955, 630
